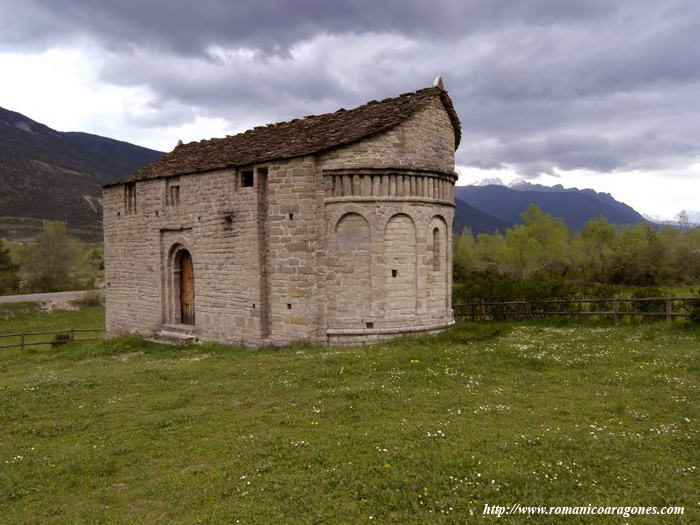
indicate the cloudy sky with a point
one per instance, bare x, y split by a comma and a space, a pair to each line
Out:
589, 93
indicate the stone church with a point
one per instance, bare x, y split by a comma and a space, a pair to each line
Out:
332, 228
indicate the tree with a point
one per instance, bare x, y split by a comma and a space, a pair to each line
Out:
683, 220
9, 279
542, 248
463, 254
50, 260
488, 252
538, 248
643, 257
596, 253
89, 265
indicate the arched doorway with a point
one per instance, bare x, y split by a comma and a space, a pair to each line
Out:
186, 287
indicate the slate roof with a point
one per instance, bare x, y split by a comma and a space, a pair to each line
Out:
295, 138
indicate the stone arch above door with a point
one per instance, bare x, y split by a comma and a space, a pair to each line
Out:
173, 245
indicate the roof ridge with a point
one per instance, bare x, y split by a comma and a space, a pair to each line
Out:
281, 140
307, 117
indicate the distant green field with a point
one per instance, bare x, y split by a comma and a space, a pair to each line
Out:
423, 430
27, 227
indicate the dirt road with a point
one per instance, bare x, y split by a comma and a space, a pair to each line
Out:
54, 297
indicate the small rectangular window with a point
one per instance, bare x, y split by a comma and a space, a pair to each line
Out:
172, 197
130, 198
247, 180
172, 192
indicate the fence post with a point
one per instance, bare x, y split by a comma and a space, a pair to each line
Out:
21, 341
616, 308
72, 335
669, 309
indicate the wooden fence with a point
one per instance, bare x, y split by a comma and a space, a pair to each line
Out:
70, 333
615, 307
666, 307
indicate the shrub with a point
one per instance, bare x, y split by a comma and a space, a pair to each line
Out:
693, 307
649, 291
9, 279
60, 339
89, 298
492, 287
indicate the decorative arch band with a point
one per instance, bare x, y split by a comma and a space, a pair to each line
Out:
389, 184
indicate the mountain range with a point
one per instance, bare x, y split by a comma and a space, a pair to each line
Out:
468, 216
575, 206
49, 174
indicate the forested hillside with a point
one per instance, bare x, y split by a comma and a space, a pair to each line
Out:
467, 216
49, 174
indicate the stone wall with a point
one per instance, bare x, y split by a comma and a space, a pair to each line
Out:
400, 185
424, 141
216, 221
294, 232
351, 245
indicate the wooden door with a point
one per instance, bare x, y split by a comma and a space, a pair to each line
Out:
186, 288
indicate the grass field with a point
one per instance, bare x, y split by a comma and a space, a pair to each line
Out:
27, 317
423, 430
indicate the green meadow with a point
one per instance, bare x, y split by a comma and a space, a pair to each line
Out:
419, 430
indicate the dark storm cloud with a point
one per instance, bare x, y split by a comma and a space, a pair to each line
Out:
539, 84
189, 27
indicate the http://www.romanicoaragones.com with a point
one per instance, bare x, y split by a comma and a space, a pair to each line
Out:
592, 510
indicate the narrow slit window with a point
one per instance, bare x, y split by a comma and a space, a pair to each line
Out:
261, 179
172, 191
247, 180
130, 198
173, 196
436, 250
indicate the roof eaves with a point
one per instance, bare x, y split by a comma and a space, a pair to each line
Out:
407, 108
